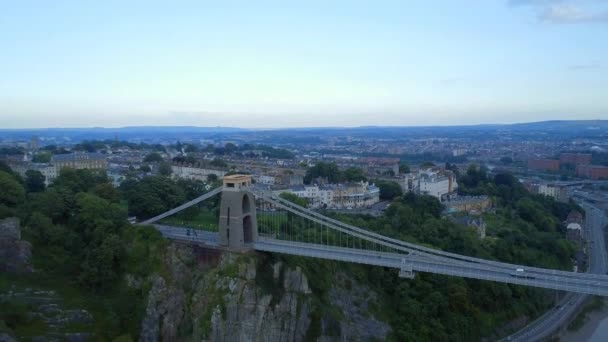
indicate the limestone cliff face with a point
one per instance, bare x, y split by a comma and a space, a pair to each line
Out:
238, 298
14, 253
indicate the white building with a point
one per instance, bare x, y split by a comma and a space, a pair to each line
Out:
265, 179
195, 173
559, 193
49, 171
341, 196
433, 182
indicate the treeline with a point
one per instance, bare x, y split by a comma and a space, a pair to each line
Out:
333, 174
526, 230
102, 145
81, 238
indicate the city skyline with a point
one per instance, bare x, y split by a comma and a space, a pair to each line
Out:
67, 64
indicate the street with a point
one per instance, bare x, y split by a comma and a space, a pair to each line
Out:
552, 320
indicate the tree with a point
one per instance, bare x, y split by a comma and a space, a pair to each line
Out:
212, 177
229, 148
353, 174
218, 163
323, 170
293, 198
152, 195
389, 190
107, 192
153, 157
12, 192
403, 167
506, 160
145, 168
81, 180
164, 169
43, 157
191, 148
34, 181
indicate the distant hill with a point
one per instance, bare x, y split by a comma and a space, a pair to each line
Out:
560, 128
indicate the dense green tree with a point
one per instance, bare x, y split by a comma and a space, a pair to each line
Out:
12, 193
107, 191
34, 181
152, 195
80, 180
153, 157
191, 148
42, 157
192, 188
55, 203
323, 170
293, 198
218, 163
145, 168
164, 169
389, 190
4, 167
506, 160
353, 174
230, 148
403, 167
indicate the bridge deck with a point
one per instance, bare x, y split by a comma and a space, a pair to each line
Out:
394, 260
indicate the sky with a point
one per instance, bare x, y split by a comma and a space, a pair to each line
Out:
266, 64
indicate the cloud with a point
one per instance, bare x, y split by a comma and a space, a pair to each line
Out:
568, 14
565, 11
579, 67
516, 3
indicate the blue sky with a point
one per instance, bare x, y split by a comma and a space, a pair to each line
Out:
306, 63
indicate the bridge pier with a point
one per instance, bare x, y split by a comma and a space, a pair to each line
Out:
238, 226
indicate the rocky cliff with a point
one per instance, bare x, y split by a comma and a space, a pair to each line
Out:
14, 253
248, 297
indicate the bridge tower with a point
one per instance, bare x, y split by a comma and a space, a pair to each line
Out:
238, 223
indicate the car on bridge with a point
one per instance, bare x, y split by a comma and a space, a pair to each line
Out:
521, 273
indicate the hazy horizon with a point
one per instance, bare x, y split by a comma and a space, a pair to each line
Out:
278, 65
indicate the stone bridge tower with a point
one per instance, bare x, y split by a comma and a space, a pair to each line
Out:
238, 223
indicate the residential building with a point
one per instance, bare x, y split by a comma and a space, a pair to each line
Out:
433, 182
594, 172
574, 232
49, 171
95, 161
543, 164
195, 173
574, 217
575, 158
341, 196
558, 192
265, 179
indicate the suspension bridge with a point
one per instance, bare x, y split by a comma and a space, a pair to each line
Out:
252, 219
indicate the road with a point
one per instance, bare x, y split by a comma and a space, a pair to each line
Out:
555, 318
412, 262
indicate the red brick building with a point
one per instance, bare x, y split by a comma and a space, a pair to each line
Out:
543, 164
575, 158
592, 171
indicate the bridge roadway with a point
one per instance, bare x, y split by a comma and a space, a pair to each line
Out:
444, 257
394, 260
557, 317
